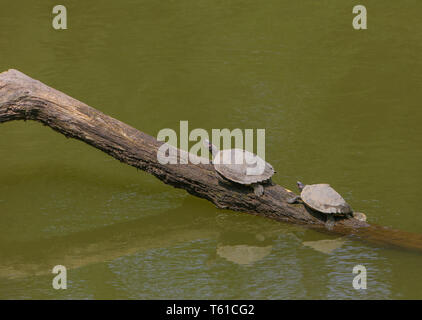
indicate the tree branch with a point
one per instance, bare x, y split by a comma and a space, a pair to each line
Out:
23, 98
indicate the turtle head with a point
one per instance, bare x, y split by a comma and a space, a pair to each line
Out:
359, 216
300, 185
212, 148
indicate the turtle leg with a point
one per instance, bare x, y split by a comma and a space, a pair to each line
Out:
330, 222
258, 189
293, 200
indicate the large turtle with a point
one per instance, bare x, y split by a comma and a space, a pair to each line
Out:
323, 198
235, 165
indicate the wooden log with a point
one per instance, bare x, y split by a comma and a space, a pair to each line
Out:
24, 98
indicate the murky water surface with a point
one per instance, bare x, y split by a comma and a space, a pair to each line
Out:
338, 105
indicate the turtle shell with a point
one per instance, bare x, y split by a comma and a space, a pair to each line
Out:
237, 165
323, 198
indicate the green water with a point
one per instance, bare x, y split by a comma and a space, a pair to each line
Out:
339, 106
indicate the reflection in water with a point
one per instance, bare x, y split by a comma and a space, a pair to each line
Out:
325, 246
145, 256
183, 224
243, 254
243, 248
338, 106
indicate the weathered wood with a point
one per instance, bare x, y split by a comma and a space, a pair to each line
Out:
23, 98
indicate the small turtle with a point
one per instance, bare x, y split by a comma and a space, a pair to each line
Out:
238, 166
323, 198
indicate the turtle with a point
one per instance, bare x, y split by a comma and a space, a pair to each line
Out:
233, 165
323, 198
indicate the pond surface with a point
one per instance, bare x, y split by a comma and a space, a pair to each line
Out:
339, 106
